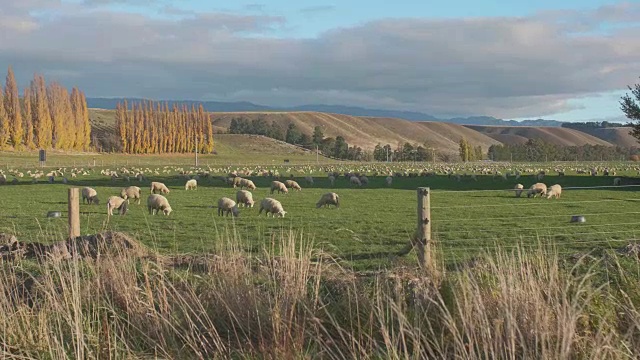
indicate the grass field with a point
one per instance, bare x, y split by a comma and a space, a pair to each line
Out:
232, 149
506, 283
373, 224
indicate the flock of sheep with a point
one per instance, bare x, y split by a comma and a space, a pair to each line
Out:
157, 201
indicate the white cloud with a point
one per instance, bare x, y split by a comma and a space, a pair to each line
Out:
504, 67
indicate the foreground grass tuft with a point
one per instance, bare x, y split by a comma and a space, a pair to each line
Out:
291, 300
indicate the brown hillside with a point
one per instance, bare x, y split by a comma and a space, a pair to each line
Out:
618, 136
554, 135
366, 132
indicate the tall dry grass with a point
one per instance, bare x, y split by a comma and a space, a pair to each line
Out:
293, 301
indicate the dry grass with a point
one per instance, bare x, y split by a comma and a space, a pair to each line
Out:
293, 301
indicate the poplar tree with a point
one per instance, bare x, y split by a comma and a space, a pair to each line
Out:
12, 109
4, 124
86, 132
42, 122
28, 118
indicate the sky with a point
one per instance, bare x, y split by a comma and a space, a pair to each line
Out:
568, 60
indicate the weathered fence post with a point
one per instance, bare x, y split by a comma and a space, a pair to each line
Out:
74, 213
423, 234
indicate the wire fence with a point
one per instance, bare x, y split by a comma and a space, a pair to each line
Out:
462, 224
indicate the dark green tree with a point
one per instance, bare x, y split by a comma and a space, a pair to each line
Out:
630, 105
318, 135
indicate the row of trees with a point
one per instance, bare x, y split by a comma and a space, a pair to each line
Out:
152, 128
403, 152
591, 125
333, 147
538, 150
46, 116
468, 152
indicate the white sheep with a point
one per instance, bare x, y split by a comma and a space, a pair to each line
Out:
519, 188
355, 181
156, 202
278, 186
292, 185
91, 195
271, 206
246, 183
131, 192
159, 187
537, 188
116, 202
554, 191
228, 206
328, 199
388, 180
236, 181
244, 198
191, 185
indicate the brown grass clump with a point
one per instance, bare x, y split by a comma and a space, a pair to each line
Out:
292, 301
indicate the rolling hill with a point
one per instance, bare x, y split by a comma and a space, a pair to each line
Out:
555, 135
366, 132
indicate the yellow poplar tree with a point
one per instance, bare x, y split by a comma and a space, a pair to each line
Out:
77, 117
42, 123
28, 119
4, 124
12, 109
86, 132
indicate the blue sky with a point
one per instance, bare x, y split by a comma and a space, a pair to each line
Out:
566, 60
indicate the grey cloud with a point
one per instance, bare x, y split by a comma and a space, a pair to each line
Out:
504, 67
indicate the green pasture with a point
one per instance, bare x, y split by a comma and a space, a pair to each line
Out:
371, 226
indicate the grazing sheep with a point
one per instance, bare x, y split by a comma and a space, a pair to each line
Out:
364, 180
131, 192
332, 179
191, 185
328, 199
540, 176
309, 180
244, 198
519, 188
617, 181
236, 181
271, 206
355, 181
246, 183
91, 195
156, 202
554, 191
228, 206
537, 188
116, 202
292, 185
388, 180
159, 187
280, 187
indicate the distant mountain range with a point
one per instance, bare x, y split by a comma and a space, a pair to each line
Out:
216, 106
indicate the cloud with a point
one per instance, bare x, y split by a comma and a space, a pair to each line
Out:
504, 67
314, 10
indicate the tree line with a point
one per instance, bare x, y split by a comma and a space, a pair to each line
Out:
47, 116
148, 127
332, 147
592, 125
538, 150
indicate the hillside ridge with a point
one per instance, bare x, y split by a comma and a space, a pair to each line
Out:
367, 132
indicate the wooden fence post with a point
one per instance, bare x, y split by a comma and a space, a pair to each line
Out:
423, 234
74, 213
